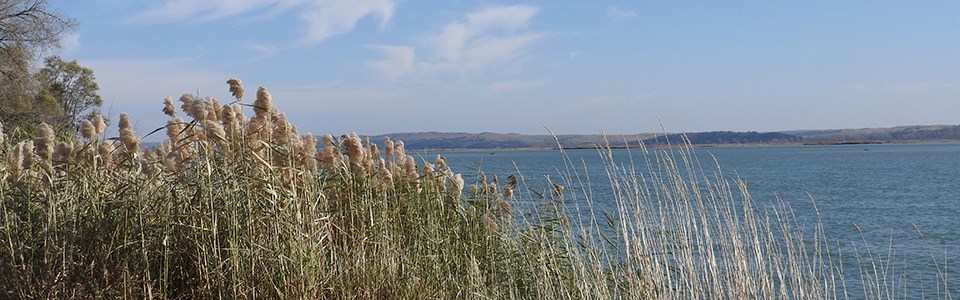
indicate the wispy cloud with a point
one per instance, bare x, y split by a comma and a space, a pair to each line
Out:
484, 39
617, 14
397, 61
265, 51
323, 18
329, 18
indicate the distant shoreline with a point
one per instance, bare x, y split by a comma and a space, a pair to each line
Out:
457, 141
843, 143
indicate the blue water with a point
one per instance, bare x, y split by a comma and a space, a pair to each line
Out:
885, 190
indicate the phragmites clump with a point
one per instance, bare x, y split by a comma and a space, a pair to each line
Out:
388, 147
128, 136
199, 110
174, 128
168, 107
328, 153
26, 147
263, 106
215, 132
186, 103
456, 185
62, 152
87, 130
308, 152
399, 152
213, 109
44, 146
353, 148
99, 125
236, 88
441, 162
15, 159
105, 152
231, 122
409, 167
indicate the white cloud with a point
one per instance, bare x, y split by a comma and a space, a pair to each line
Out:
485, 39
329, 18
618, 14
397, 61
324, 18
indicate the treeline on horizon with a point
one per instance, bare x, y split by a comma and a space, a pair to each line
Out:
488, 140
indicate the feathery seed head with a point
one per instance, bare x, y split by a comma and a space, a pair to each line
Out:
456, 185
215, 132
44, 142
398, 150
558, 190
441, 162
504, 207
238, 112
128, 136
410, 168
168, 108
198, 110
125, 121
236, 88
62, 152
263, 105
99, 124
15, 159
174, 128
354, 150
308, 152
186, 103
27, 149
105, 152
385, 175
213, 109
87, 130
388, 147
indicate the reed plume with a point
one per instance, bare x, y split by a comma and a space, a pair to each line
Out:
99, 124
168, 107
44, 146
128, 136
87, 130
236, 88
263, 106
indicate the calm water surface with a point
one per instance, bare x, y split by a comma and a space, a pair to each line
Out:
883, 189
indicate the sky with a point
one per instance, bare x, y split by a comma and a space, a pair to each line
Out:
620, 67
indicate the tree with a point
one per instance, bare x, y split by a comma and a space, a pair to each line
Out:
73, 88
31, 24
27, 29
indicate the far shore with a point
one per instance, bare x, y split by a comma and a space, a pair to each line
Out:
809, 143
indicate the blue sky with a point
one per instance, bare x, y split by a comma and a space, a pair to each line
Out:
383, 66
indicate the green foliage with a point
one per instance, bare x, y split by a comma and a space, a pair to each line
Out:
73, 88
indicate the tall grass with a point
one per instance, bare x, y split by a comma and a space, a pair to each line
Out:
231, 207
